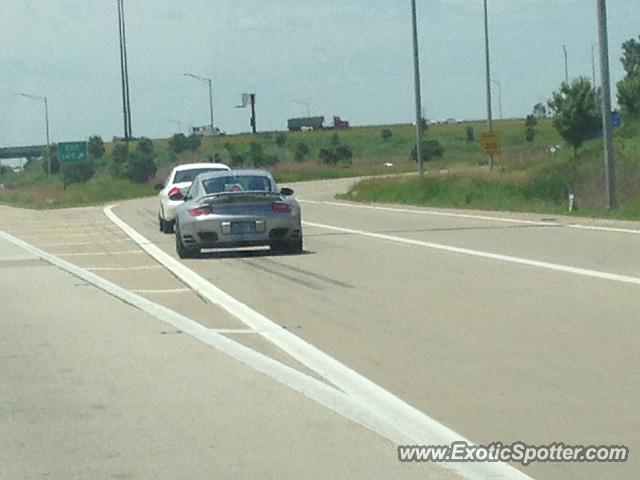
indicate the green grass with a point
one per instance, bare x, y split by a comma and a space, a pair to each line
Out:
522, 183
526, 178
52, 195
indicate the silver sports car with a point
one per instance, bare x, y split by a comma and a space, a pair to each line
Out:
240, 208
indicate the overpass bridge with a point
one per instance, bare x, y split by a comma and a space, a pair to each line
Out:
22, 152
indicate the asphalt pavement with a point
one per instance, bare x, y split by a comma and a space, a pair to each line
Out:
502, 327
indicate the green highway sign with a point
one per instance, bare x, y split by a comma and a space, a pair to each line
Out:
72, 153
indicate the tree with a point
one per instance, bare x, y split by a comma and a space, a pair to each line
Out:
145, 146
539, 110
96, 146
281, 139
576, 113
530, 134
119, 158
631, 56
140, 167
386, 134
629, 95
629, 86
193, 143
178, 143
471, 134
430, 149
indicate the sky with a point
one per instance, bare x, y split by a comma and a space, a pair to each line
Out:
350, 58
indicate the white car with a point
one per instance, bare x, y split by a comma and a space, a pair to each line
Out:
176, 187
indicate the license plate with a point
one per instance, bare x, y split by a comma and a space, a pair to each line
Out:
243, 227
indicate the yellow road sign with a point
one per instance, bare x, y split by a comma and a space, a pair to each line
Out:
491, 144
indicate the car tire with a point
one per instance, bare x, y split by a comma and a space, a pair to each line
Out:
166, 227
289, 248
185, 252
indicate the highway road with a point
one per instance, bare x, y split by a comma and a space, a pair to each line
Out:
397, 325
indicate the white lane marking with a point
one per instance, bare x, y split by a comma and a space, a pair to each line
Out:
123, 269
319, 391
101, 254
80, 244
414, 424
69, 235
168, 290
17, 258
478, 253
236, 330
436, 213
605, 229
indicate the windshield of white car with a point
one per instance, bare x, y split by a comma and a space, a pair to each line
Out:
184, 176
238, 183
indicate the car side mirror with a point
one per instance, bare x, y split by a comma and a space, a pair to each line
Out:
286, 191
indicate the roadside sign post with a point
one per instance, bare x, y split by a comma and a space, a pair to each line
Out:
491, 144
73, 153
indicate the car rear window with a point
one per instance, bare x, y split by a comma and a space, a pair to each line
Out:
183, 176
238, 183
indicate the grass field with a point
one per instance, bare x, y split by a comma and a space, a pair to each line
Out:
524, 180
527, 177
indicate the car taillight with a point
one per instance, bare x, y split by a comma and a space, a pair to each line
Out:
175, 194
281, 207
201, 211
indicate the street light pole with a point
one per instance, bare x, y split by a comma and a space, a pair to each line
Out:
209, 82
496, 82
124, 72
43, 99
566, 64
488, 65
605, 80
593, 63
416, 76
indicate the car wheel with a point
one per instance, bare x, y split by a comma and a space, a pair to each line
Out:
166, 227
185, 252
291, 248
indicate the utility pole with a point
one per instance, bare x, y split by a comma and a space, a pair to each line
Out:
124, 72
488, 62
566, 64
605, 79
252, 103
416, 77
496, 82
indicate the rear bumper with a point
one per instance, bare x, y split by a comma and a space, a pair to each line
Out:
217, 233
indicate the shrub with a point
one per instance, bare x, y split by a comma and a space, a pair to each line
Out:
386, 134
140, 167
430, 149
471, 135
145, 146
78, 173
178, 143
281, 139
301, 152
96, 146
193, 142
